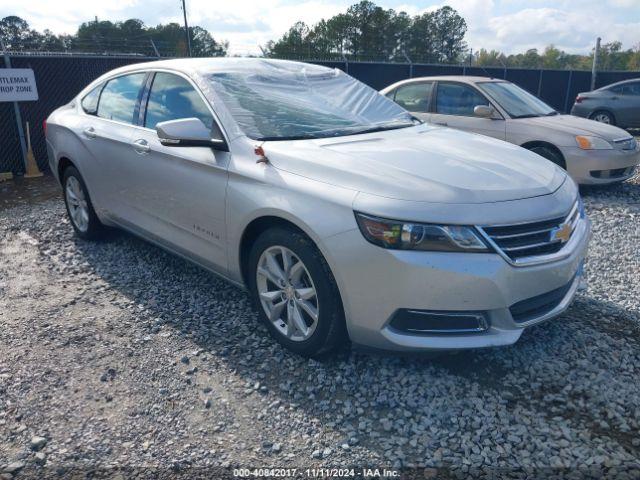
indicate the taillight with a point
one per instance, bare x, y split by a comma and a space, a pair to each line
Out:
44, 127
579, 99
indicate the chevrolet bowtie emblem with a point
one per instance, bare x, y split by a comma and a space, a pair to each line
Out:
562, 233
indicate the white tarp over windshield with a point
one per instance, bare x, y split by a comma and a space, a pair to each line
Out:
271, 99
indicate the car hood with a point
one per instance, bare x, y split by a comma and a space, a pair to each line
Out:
422, 163
577, 126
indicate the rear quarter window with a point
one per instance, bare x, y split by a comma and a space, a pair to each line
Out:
90, 100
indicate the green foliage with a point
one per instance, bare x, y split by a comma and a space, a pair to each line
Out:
611, 57
130, 36
369, 32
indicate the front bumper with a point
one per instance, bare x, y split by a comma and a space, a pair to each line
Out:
375, 283
582, 164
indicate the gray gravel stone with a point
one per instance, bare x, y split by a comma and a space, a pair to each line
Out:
37, 443
83, 322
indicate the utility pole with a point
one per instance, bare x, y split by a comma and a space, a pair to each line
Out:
186, 28
595, 64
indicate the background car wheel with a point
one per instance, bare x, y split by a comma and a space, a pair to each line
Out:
79, 208
603, 117
295, 293
550, 154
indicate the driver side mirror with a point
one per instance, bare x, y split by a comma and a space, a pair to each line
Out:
484, 111
189, 132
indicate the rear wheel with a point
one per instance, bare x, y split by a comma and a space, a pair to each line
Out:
295, 293
603, 116
550, 154
83, 218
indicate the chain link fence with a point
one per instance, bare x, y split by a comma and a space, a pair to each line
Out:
60, 77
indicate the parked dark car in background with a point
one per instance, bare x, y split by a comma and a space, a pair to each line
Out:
616, 104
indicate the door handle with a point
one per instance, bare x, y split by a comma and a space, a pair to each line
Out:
89, 132
141, 146
443, 124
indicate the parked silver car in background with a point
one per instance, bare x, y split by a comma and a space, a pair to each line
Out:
344, 216
616, 104
592, 153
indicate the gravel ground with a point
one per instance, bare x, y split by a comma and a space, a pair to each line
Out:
118, 355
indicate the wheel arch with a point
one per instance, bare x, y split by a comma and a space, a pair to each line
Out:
63, 163
541, 143
257, 226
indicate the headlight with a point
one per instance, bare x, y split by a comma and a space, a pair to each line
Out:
592, 143
399, 235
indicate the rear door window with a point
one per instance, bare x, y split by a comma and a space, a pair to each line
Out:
414, 97
119, 97
173, 97
458, 99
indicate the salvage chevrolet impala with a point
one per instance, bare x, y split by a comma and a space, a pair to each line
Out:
345, 217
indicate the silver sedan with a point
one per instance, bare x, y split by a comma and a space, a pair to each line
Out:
592, 153
344, 216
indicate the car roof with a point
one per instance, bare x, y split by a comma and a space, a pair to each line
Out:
224, 64
622, 82
470, 79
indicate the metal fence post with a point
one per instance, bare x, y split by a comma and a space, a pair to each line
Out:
540, 82
346, 63
594, 67
410, 63
154, 47
566, 97
16, 110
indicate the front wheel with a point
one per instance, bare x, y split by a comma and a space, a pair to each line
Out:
295, 293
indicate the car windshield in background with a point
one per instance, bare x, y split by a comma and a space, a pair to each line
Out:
517, 102
292, 105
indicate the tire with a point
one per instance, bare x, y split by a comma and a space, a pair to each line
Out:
603, 116
312, 338
80, 210
550, 154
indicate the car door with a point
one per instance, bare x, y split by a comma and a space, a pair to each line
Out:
105, 130
627, 108
414, 97
454, 107
179, 195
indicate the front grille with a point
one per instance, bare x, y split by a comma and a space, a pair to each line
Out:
629, 143
537, 306
532, 239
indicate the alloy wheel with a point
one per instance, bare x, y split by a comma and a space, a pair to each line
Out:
77, 204
287, 293
602, 118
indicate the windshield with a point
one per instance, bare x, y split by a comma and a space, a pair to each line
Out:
517, 102
289, 102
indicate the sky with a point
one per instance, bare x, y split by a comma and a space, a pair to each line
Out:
510, 26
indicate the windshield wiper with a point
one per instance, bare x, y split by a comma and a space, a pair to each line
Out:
306, 136
551, 114
379, 128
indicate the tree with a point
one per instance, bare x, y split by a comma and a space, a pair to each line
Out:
368, 32
129, 36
